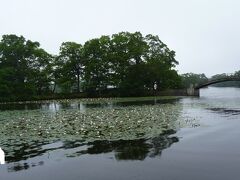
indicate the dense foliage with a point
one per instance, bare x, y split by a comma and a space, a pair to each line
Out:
128, 63
25, 68
189, 79
227, 83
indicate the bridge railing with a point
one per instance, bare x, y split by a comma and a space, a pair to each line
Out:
231, 77
224, 76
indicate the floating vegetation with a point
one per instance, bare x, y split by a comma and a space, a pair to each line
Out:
95, 100
26, 131
95, 123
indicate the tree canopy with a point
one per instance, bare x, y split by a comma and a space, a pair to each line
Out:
130, 63
227, 83
194, 79
24, 67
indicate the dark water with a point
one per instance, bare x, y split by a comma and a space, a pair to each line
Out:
187, 138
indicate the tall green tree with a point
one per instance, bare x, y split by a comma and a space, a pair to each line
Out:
129, 62
40, 69
70, 64
162, 62
23, 66
97, 64
192, 78
128, 49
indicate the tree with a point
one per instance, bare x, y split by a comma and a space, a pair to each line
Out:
161, 61
191, 78
157, 63
227, 83
131, 63
128, 49
70, 64
23, 66
40, 69
97, 64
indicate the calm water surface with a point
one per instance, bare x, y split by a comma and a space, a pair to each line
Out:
184, 138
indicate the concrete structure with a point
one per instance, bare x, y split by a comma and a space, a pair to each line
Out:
193, 90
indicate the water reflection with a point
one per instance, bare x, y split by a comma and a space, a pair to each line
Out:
30, 106
81, 104
225, 111
78, 141
138, 149
23, 166
24, 151
131, 130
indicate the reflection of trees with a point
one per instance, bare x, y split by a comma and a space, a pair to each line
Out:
25, 151
7, 107
68, 105
160, 143
137, 149
25, 137
225, 111
124, 149
23, 166
131, 149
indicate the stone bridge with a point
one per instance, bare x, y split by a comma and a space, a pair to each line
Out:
193, 90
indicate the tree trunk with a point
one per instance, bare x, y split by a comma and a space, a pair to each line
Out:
78, 82
54, 88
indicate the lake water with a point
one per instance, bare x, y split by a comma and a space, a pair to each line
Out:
136, 138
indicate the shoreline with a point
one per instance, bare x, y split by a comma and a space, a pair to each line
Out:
84, 96
96, 100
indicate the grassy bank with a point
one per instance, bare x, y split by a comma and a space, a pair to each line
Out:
83, 95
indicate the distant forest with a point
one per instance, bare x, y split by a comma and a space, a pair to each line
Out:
123, 64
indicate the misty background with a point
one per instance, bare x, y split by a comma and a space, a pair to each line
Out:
204, 34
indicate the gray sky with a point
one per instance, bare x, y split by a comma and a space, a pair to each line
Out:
204, 33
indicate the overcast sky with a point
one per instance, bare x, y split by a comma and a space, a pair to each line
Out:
204, 33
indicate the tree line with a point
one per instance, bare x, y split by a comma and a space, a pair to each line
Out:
129, 63
196, 79
227, 83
